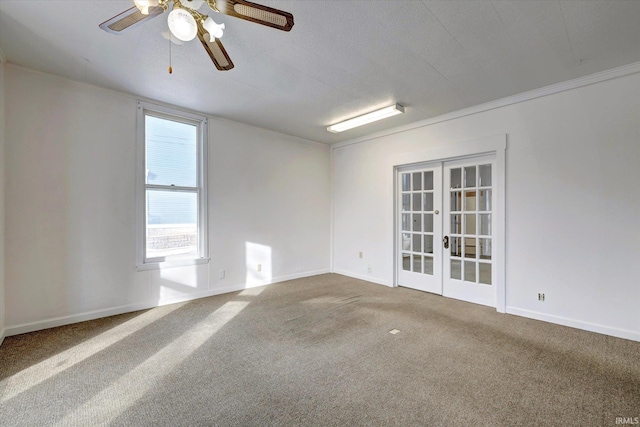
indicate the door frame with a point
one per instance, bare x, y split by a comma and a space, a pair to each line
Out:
491, 145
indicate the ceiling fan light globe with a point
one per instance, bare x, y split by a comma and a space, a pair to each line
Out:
144, 5
215, 30
182, 25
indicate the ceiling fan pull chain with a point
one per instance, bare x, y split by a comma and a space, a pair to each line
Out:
170, 68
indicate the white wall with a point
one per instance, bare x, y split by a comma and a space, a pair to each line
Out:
2, 174
572, 203
70, 207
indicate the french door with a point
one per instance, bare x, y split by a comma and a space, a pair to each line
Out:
419, 249
445, 226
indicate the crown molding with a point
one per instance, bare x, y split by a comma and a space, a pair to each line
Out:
579, 82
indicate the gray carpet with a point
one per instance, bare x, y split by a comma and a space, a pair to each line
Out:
317, 351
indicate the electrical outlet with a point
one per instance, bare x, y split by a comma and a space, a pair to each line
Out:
369, 269
359, 254
259, 267
221, 274
540, 297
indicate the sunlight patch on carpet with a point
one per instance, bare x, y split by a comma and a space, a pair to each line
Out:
38, 373
133, 386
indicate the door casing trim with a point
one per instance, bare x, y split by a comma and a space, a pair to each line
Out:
489, 145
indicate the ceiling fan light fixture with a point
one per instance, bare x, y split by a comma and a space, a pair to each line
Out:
182, 24
366, 118
144, 5
192, 4
214, 29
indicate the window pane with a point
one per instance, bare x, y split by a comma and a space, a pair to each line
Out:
456, 178
417, 181
417, 263
456, 246
456, 269
470, 271
470, 224
417, 222
485, 200
171, 152
470, 176
417, 201
485, 248
406, 182
428, 265
456, 201
428, 223
172, 223
469, 247
456, 224
485, 224
428, 202
428, 180
485, 175
406, 262
406, 222
406, 241
406, 202
485, 273
469, 200
417, 243
428, 244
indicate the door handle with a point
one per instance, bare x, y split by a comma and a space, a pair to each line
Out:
445, 240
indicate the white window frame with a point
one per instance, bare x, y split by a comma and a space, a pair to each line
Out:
142, 262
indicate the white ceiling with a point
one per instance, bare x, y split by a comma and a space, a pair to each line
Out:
342, 58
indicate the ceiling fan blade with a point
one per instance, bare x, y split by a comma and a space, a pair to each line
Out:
216, 51
256, 13
128, 19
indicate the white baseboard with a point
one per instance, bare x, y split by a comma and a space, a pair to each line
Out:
578, 324
363, 277
112, 311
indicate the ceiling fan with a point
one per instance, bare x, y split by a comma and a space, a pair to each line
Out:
186, 22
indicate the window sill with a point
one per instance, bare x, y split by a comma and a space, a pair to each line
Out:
171, 264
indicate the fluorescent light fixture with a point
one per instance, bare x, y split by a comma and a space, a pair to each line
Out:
367, 118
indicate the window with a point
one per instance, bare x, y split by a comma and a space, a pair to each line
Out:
171, 187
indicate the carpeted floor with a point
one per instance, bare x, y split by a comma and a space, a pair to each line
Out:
318, 351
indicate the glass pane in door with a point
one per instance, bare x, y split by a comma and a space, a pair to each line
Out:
406, 202
417, 202
484, 273
456, 178
417, 263
456, 269
406, 182
470, 176
417, 181
469, 271
484, 203
417, 243
456, 201
417, 198
428, 265
485, 176
428, 180
470, 219
428, 223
